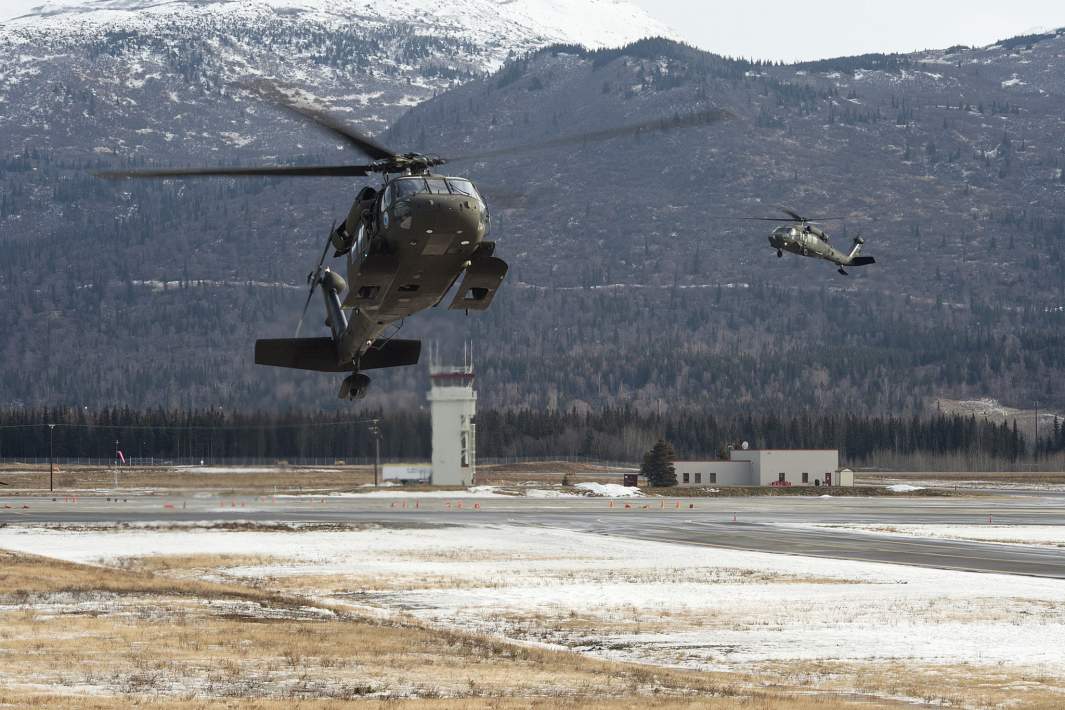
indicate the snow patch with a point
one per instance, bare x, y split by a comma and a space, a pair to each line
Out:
609, 490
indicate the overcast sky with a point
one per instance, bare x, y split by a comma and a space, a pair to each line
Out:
814, 29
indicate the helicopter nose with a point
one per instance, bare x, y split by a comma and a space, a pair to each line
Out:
449, 224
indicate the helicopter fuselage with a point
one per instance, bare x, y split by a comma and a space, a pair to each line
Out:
409, 246
806, 240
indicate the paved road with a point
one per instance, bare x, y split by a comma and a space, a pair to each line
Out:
760, 524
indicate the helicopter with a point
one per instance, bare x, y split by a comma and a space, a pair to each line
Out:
805, 239
406, 244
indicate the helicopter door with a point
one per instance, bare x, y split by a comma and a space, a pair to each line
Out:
479, 285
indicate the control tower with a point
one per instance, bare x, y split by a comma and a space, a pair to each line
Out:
453, 406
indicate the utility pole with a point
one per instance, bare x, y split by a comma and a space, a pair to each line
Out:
1037, 430
375, 430
116, 464
51, 459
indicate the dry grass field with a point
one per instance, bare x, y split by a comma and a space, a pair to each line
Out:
948, 477
250, 479
82, 636
200, 630
260, 480
267, 479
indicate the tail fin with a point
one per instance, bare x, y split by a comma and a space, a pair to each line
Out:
858, 242
853, 259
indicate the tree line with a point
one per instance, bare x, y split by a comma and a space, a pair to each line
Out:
615, 434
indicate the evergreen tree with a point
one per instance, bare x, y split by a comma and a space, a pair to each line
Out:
657, 465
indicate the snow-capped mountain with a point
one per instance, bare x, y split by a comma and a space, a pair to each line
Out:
137, 65
503, 25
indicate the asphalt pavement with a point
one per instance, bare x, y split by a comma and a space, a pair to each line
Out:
763, 524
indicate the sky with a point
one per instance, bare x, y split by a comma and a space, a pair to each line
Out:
815, 29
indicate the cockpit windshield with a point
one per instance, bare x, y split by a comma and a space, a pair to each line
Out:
405, 187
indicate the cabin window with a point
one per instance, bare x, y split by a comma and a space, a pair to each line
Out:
402, 189
437, 186
462, 187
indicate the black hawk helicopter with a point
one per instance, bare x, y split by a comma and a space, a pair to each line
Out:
406, 243
805, 239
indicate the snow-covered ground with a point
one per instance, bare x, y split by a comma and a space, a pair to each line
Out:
904, 488
1052, 535
536, 490
648, 601
986, 484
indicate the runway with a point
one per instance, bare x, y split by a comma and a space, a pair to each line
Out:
757, 524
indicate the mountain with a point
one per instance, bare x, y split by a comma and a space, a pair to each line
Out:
633, 279
499, 26
88, 84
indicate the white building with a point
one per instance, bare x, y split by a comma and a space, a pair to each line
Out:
453, 406
767, 467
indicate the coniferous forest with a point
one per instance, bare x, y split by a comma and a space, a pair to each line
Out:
616, 435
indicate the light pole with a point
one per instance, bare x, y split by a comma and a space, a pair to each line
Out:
116, 464
51, 460
375, 430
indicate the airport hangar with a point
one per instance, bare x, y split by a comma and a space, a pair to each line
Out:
767, 467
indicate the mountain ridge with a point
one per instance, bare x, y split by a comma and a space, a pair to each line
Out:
936, 158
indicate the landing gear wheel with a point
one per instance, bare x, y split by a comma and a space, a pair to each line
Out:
354, 387
780, 254
841, 271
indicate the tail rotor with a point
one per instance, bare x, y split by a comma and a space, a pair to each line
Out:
315, 277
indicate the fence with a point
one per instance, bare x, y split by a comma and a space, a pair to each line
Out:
148, 462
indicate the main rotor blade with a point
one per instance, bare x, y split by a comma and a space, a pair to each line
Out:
701, 118
271, 92
799, 218
266, 171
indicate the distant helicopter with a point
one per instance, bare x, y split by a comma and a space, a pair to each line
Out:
803, 238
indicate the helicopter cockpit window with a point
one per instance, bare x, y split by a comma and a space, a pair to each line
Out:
462, 187
401, 189
437, 186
